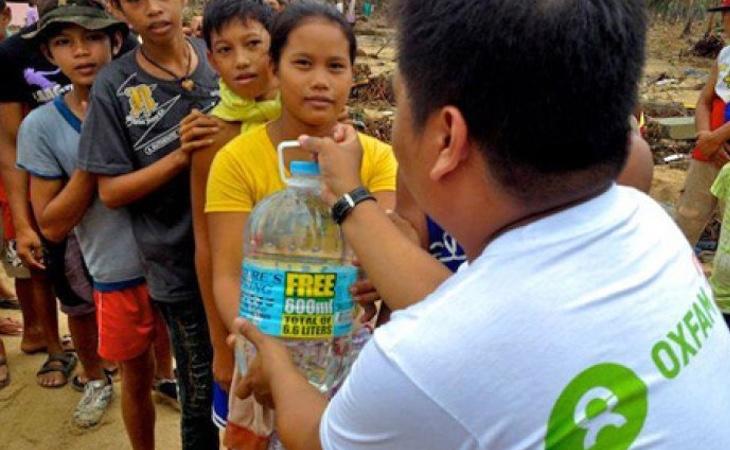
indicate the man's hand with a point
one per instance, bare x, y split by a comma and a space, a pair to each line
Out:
272, 360
339, 161
196, 131
30, 248
223, 367
707, 143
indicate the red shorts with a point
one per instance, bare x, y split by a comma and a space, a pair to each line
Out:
127, 321
717, 119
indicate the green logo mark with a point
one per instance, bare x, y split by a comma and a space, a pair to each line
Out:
604, 407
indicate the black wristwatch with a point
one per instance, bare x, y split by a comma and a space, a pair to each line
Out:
347, 203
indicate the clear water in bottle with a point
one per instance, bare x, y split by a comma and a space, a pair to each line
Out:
296, 278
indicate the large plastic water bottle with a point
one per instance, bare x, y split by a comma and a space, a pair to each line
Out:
296, 276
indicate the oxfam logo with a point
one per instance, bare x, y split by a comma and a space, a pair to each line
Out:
604, 407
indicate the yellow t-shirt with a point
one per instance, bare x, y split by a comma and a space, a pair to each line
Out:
246, 171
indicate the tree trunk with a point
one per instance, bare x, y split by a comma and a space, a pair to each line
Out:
710, 23
690, 18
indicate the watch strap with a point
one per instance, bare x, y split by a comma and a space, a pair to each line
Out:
345, 204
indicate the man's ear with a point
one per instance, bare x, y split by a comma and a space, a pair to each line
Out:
451, 132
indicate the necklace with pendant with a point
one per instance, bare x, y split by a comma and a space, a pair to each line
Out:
185, 81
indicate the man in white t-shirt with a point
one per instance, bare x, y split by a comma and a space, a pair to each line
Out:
583, 320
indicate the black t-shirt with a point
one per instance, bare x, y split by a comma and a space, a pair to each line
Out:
134, 121
26, 76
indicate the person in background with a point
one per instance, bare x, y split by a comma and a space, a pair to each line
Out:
236, 33
697, 204
79, 38
130, 141
31, 16
27, 81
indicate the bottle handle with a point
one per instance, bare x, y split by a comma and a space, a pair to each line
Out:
284, 146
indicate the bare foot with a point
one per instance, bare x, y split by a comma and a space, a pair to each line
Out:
10, 327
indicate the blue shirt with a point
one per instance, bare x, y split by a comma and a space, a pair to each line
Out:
443, 246
48, 143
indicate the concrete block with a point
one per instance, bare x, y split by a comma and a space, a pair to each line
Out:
678, 128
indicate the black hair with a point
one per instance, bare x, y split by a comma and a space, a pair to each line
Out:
3, 5
295, 14
546, 86
219, 13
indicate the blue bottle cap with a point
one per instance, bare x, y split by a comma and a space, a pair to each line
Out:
304, 168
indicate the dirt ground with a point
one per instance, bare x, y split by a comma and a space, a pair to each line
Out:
34, 418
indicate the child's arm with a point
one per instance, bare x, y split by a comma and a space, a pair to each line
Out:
199, 170
704, 103
121, 190
59, 208
709, 142
226, 235
16, 186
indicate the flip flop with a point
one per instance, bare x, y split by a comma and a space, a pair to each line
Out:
9, 303
4, 363
16, 327
166, 391
68, 363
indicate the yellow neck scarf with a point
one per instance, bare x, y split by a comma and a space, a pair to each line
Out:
233, 108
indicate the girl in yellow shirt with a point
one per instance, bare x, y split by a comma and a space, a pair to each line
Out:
312, 51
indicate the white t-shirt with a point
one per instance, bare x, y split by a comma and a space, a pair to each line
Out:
722, 87
591, 328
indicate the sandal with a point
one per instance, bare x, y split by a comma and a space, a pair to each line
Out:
167, 392
10, 327
4, 363
9, 303
68, 363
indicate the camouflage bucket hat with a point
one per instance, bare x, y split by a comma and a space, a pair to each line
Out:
87, 14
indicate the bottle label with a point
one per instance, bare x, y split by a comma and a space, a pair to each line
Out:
313, 302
